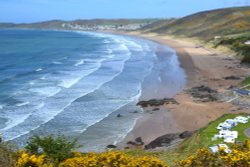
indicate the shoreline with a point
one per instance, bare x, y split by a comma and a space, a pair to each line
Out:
202, 67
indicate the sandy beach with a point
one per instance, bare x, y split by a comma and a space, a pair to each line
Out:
203, 67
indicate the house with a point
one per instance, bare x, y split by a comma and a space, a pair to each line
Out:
215, 149
229, 139
232, 122
216, 38
247, 42
227, 133
241, 119
224, 126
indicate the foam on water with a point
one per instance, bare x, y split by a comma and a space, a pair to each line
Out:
48, 112
67, 83
80, 62
14, 120
57, 62
46, 91
39, 69
22, 104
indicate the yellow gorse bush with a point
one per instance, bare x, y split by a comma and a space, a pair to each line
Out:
239, 157
112, 159
26, 160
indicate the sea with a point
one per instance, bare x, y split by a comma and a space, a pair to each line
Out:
76, 83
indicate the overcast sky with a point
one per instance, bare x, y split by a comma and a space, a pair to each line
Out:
41, 10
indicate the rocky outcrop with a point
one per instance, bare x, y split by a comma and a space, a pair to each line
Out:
168, 139
232, 77
118, 115
186, 134
110, 146
157, 102
138, 142
203, 93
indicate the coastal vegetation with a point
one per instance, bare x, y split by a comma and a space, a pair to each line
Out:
239, 44
54, 149
240, 157
207, 24
230, 25
246, 81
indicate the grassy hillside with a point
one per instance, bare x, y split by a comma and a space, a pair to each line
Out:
157, 24
208, 24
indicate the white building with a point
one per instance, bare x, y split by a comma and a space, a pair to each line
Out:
215, 149
227, 133
241, 119
247, 42
224, 126
229, 140
216, 38
232, 122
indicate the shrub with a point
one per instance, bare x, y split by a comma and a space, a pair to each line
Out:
26, 160
237, 44
57, 149
112, 159
7, 155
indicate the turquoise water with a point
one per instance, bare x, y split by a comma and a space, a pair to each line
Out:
76, 83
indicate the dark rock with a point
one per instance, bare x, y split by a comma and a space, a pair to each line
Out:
119, 115
138, 142
186, 134
203, 88
134, 112
131, 143
203, 93
229, 59
168, 139
231, 87
232, 77
111, 146
138, 139
126, 148
156, 109
157, 102
142, 103
161, 141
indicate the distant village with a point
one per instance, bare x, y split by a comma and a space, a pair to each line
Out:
108, 27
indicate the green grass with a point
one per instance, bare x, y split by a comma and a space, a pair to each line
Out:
246, 81
203, 138
206, 134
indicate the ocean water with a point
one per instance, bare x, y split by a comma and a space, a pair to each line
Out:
75, 83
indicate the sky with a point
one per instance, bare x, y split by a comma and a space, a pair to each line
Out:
27, 11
